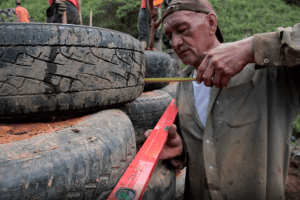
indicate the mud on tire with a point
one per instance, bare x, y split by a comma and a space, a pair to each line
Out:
53, 69
69, 165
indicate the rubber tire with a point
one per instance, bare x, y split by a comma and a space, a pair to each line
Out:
69, 165
170, 89
162, 184
9, 12
49, 69
180, 184
146, 110
159, 65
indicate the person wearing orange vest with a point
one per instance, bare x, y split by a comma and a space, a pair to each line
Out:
22, 13
74, 2
142, 24
56, 9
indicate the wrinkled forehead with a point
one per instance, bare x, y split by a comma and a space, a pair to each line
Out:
202, 6
182, 17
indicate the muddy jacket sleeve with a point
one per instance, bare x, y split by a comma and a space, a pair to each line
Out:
280, 48
280, 53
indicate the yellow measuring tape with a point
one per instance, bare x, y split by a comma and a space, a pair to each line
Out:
157, 80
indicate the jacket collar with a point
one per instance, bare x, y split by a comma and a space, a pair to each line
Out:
213, 92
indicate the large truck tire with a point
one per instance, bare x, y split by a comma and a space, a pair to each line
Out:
49, 69
159, 65
162, 184
85, 164
146, 110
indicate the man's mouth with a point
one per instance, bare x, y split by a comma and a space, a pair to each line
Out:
181, 53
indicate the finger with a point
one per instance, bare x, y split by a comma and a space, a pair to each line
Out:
172, 131
208, 75
224, 81
175, 142
147, 133
201, 70
169, 153
62, 7
217, 79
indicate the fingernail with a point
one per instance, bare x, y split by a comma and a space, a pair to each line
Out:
198, 82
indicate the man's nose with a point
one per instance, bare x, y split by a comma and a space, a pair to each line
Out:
176, 42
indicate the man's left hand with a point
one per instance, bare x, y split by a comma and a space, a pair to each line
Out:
61, 6
154, 13
224, 62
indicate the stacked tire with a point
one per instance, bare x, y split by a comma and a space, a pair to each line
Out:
68, 165
54, 69
51, 69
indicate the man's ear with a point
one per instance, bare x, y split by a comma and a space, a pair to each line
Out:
213, 23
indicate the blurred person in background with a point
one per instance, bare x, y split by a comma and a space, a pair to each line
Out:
56, 9
166, 40
167, 43
143, 23
22, 13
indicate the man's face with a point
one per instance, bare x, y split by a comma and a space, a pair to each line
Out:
188, 32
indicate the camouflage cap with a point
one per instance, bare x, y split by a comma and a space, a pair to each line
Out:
193, 5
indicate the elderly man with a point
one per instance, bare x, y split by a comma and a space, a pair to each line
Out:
234, 124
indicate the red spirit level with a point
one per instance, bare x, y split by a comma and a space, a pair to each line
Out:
134, 181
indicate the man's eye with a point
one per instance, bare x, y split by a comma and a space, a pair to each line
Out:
181, 30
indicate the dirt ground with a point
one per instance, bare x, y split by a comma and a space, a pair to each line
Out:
292, 190
12, 132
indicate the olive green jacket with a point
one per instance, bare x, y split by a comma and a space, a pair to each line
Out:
243, 152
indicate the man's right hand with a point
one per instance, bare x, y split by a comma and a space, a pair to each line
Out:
173, 147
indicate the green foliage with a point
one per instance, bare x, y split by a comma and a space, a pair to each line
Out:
292, 2
296, 128
239, 17
5, 19
120, 15
236, 17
